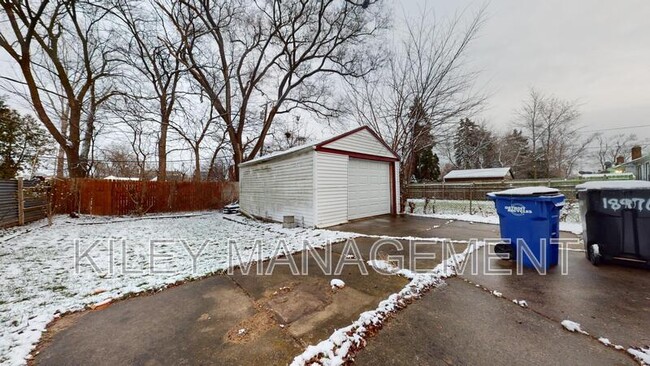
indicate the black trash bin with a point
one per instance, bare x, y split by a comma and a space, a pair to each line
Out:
616, 221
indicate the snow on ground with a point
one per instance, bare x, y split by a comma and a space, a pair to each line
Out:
485, 209
337, 283
335, 350
572, 326
640, 354
521, 303
39, 279
571, 227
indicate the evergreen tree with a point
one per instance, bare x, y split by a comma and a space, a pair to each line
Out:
428, 166
514, 152
22, 142
474, 146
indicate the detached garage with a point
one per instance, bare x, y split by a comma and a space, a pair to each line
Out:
350, 176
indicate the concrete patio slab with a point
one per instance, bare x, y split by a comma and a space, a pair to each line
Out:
307, 305
460, 325
196, 323
609, 301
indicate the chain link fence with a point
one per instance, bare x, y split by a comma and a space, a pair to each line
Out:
471, 198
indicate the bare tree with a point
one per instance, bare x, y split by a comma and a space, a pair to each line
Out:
609, 148
196, 126
273, 56
149, 59
70, 40
550, 124
285, 135
423, 92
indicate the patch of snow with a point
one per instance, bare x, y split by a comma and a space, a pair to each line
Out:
38, 280
242, 331
640, 354
572, 326
335, 349
336, 283
604, 341
614, 184
572, 227
497, 293
521, 303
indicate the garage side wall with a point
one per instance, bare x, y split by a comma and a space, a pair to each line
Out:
279, 187
331, 189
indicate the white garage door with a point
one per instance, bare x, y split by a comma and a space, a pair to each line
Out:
368, 188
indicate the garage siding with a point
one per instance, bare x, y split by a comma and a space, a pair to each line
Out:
280, 187
361, 142
331, 189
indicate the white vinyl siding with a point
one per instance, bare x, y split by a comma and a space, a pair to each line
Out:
362, 142
368, 188
331, 189
280, 187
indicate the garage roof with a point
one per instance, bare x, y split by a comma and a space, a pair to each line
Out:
325, 145
478, 173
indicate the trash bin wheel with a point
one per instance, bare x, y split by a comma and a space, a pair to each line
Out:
593, 253
504, 251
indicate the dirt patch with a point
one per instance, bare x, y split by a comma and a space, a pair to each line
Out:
251, 328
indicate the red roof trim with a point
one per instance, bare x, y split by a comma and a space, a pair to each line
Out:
372, 132
356, 154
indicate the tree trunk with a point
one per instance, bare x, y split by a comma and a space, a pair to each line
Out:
75, 168
197, 166
162, 148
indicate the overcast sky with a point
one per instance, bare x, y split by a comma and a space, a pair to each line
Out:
596, 52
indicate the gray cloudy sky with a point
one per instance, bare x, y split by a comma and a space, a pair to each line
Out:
594, 51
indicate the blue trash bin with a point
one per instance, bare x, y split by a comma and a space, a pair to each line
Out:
531, 215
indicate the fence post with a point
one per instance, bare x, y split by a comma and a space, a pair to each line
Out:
471, 197
21, 202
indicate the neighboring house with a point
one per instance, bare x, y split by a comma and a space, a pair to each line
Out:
478, 175
350, 176
639, 165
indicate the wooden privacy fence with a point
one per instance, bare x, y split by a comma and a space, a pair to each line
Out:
108, 197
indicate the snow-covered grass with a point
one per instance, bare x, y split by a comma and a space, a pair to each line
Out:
39, 279
337, 348
570, 213
571, 227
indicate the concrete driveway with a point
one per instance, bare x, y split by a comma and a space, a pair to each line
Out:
267, 320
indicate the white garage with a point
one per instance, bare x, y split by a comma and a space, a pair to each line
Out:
347, 177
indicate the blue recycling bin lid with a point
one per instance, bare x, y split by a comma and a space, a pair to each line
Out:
526, 192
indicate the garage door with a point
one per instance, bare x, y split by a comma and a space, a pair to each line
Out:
368, 188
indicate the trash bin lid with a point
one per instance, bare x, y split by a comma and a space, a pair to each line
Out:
613, 184
528, 191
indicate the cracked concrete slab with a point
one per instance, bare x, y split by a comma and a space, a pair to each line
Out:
460, 325
185, 325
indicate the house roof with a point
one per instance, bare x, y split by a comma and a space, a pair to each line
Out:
478, 173
636, 161
314, 146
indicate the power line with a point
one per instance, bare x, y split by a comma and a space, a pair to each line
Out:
223, 158
618, 128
